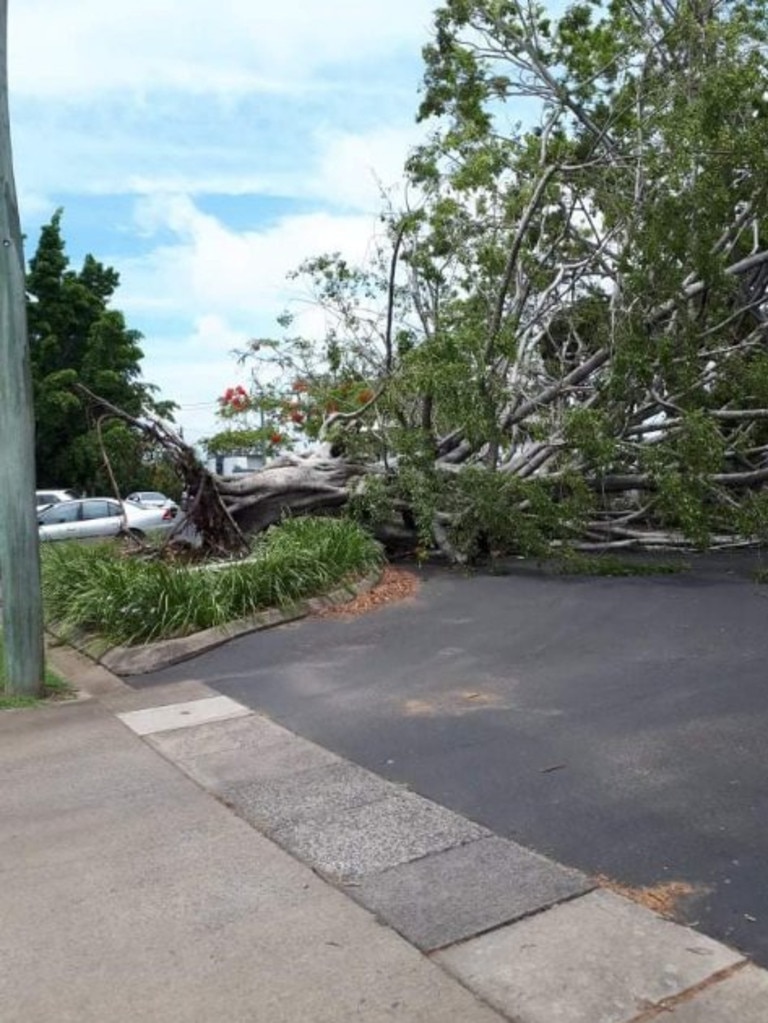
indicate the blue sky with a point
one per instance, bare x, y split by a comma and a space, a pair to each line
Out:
204, 150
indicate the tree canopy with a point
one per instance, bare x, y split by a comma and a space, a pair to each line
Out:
77, 338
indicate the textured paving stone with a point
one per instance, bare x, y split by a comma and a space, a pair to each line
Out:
742, 998
598, 959
183, 715
308, 795
380, 835
456, 894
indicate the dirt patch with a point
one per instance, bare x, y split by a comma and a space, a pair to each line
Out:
419, 709
396, 584
451, 704
663, 898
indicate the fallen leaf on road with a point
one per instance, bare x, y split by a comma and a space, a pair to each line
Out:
662, 898
395, 584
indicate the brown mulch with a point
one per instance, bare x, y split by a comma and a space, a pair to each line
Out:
662, 898
395, 584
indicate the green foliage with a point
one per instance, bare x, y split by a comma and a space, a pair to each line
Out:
575, 563
130, 600
235, 442
75, 337
751, 519
498, 514
371, 503
590, 432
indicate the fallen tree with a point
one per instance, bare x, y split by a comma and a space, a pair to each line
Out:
563, 340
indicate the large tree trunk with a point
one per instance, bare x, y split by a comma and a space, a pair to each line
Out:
292, 484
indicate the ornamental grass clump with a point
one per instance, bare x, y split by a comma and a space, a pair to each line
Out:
125, 599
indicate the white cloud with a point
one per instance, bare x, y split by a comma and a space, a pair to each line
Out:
196, 151
181, 103
224, 286
353, 168
211, 268
86, 46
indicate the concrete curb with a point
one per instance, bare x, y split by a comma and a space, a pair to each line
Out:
139, 660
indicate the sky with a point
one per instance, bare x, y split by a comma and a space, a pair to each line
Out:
204, 150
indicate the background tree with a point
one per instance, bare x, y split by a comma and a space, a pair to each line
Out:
76, 337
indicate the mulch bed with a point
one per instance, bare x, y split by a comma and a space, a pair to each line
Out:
396, 584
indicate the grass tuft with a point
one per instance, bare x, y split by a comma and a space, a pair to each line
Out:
54, 688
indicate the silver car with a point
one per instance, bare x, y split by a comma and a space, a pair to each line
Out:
46, 497
101, 516
150, 499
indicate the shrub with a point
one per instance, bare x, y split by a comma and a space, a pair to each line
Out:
129, 600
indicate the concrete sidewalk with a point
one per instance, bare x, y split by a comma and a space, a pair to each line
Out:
152, 845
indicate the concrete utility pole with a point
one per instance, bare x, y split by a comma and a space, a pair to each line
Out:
19, 544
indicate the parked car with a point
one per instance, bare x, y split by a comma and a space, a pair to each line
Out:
151, 499
46, 497
101, 516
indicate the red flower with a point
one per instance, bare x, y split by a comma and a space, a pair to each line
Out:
297, 417
365, 396
237, 397
299, 386
276, 438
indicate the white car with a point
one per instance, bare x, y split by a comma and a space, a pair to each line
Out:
101, 516
45, 497
150, 499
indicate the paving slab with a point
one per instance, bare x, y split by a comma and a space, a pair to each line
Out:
740, 998
598, 959
243, 733
452, 895
130, 894
183, 715
127, 699
259, 753
313, 795
371, 838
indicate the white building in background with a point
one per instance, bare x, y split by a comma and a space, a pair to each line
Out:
230, 465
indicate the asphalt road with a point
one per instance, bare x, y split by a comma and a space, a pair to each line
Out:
617, 725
